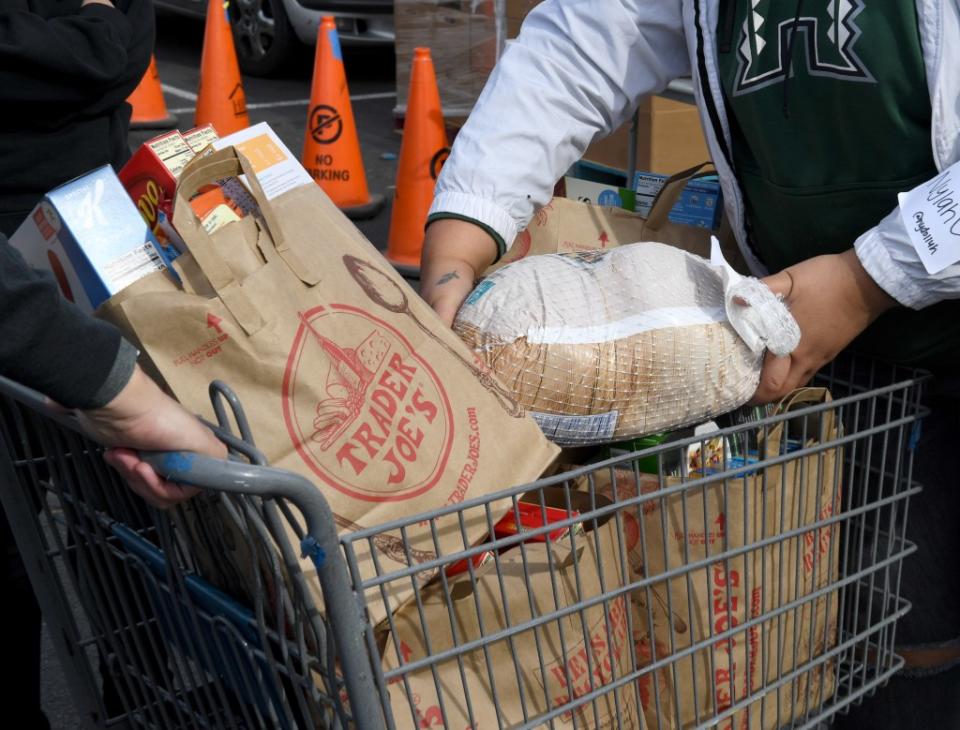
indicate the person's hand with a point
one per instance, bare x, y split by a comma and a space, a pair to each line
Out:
833, 300
454, 254
144, 417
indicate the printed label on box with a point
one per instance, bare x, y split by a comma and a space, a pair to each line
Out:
647, 187
218, 218
201, 137
277, 169
594, 193
133, 266
173, 151
698, 205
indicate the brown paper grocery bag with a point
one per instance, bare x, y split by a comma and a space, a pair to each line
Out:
346, 375
673, 614
566, 226
580, 651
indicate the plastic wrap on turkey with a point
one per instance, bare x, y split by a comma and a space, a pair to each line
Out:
605, 345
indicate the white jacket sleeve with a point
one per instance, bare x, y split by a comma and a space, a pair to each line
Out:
888, 255
575, 72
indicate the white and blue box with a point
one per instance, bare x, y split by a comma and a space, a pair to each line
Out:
700, 203
90, 235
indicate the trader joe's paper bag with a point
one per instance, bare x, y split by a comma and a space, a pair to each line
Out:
347, 376
547, 668
693, 525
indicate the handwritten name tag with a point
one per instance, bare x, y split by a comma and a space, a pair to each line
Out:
931, 214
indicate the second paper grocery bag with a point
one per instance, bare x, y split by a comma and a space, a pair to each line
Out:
543, 629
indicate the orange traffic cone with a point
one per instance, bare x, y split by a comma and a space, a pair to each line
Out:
331, 149
220, 98
422, 153
149, 107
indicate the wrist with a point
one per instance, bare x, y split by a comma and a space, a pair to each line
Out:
869, 295
132, 401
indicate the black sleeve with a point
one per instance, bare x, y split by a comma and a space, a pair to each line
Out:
48, 344
88, 62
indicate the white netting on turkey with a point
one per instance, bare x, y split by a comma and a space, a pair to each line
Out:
605, 345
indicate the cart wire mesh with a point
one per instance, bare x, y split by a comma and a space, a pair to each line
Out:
747, 577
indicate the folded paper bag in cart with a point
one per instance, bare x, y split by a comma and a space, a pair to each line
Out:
537, 668
346, 375
605, 345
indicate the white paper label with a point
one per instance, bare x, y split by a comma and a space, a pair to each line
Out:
647, 187
931, 215
133, 266
277, 169
577, 429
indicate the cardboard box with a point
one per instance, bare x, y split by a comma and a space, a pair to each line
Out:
515, 11
669, 139
594, 193
200, 137
463, 41
150, 177
700, 204
89, 234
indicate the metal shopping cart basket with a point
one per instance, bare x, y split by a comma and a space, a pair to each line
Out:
745, 578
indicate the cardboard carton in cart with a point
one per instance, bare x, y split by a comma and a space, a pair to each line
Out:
347, 375
89, 235
150, 177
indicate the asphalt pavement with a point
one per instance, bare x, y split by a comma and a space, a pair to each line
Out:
283, 103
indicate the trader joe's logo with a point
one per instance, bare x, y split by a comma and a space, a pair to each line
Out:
364, 411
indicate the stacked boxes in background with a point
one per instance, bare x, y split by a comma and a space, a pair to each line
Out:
669, 139
463, 42
466, 37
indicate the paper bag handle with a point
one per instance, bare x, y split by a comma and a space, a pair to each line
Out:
799, 398
670, 193
221, 164
210, 262
226, 163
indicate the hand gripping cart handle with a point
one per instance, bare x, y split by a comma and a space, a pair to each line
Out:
250, 477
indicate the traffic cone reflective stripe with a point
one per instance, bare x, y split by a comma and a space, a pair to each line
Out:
423, 151
331, 148
220, 98
149, 107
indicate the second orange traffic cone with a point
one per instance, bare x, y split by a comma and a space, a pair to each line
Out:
220, 98
331, 148
149, 107
422, 153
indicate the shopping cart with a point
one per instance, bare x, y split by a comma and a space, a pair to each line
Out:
147, 640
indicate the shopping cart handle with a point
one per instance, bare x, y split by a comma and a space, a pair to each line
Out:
238, 477
320, 544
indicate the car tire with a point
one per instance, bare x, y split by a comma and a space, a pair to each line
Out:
264, 38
